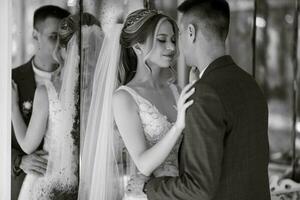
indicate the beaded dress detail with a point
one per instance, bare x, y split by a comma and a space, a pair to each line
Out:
61, 173
156, 126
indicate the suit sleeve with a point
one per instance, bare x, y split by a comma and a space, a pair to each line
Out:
200, 155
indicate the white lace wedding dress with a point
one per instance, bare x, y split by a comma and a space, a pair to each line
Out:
155, 125
61, 177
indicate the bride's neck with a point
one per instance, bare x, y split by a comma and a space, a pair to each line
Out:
148, 76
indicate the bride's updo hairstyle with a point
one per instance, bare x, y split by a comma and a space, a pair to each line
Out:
69, 25
137, 27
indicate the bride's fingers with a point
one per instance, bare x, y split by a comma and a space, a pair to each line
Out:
188, 94
185, 98
40, 158
41, 152
35, 173
39, 169
188, 104
185, 90
188, 87
40, 165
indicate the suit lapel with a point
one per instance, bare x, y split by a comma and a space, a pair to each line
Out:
26, 88
27, 83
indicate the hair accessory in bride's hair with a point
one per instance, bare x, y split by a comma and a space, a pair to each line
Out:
132, 19
67, 27
138, 17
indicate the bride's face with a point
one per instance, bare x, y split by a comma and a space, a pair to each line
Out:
163, 52
59, 54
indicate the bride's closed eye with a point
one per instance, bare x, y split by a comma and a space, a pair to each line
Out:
161, 40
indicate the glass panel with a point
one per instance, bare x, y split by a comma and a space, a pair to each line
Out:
45, 137
274, 68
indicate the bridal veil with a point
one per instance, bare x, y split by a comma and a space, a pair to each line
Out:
101, 160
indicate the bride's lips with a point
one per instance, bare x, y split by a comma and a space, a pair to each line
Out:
169, 56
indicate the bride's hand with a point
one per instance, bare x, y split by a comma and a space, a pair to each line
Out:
183, 104
14, 95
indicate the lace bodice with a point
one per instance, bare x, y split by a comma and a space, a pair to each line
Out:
156, 126
61, 173
55, 116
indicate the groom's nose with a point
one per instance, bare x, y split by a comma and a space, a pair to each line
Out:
170, 46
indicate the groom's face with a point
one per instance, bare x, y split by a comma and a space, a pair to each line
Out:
47, 38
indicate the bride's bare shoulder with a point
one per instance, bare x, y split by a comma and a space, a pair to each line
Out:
122, 99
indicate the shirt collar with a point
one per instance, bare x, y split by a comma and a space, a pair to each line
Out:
44, 74
202, 72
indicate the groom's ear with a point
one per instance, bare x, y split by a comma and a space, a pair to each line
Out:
35, 34
191, 29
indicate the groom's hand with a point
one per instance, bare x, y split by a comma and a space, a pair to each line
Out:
35, 163
135, 186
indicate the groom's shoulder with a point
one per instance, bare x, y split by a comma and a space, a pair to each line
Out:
19, 71
204, 88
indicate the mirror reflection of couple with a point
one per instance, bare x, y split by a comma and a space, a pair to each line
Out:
45, 137
147, 140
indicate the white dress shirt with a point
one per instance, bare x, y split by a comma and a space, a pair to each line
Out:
40, 76
202, 72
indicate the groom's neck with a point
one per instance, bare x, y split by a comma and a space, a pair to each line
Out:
44, 65
208, 55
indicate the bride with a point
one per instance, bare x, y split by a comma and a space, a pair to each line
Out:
54, 120
133, 99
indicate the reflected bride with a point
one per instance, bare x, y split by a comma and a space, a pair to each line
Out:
58, 103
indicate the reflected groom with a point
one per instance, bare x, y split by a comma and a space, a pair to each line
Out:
41, 66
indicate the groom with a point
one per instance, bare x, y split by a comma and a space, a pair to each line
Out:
224, 153
41, 66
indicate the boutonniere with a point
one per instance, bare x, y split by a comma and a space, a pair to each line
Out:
27, 107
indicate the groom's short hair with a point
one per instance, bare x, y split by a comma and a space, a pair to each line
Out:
42, 13
211, 16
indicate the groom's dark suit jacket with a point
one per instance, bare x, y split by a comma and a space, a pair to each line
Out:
225, 151
24, 78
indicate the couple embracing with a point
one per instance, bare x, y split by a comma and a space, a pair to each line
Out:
146, 139
44, 107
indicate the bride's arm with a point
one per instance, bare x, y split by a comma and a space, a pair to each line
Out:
130, 127
29, 138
